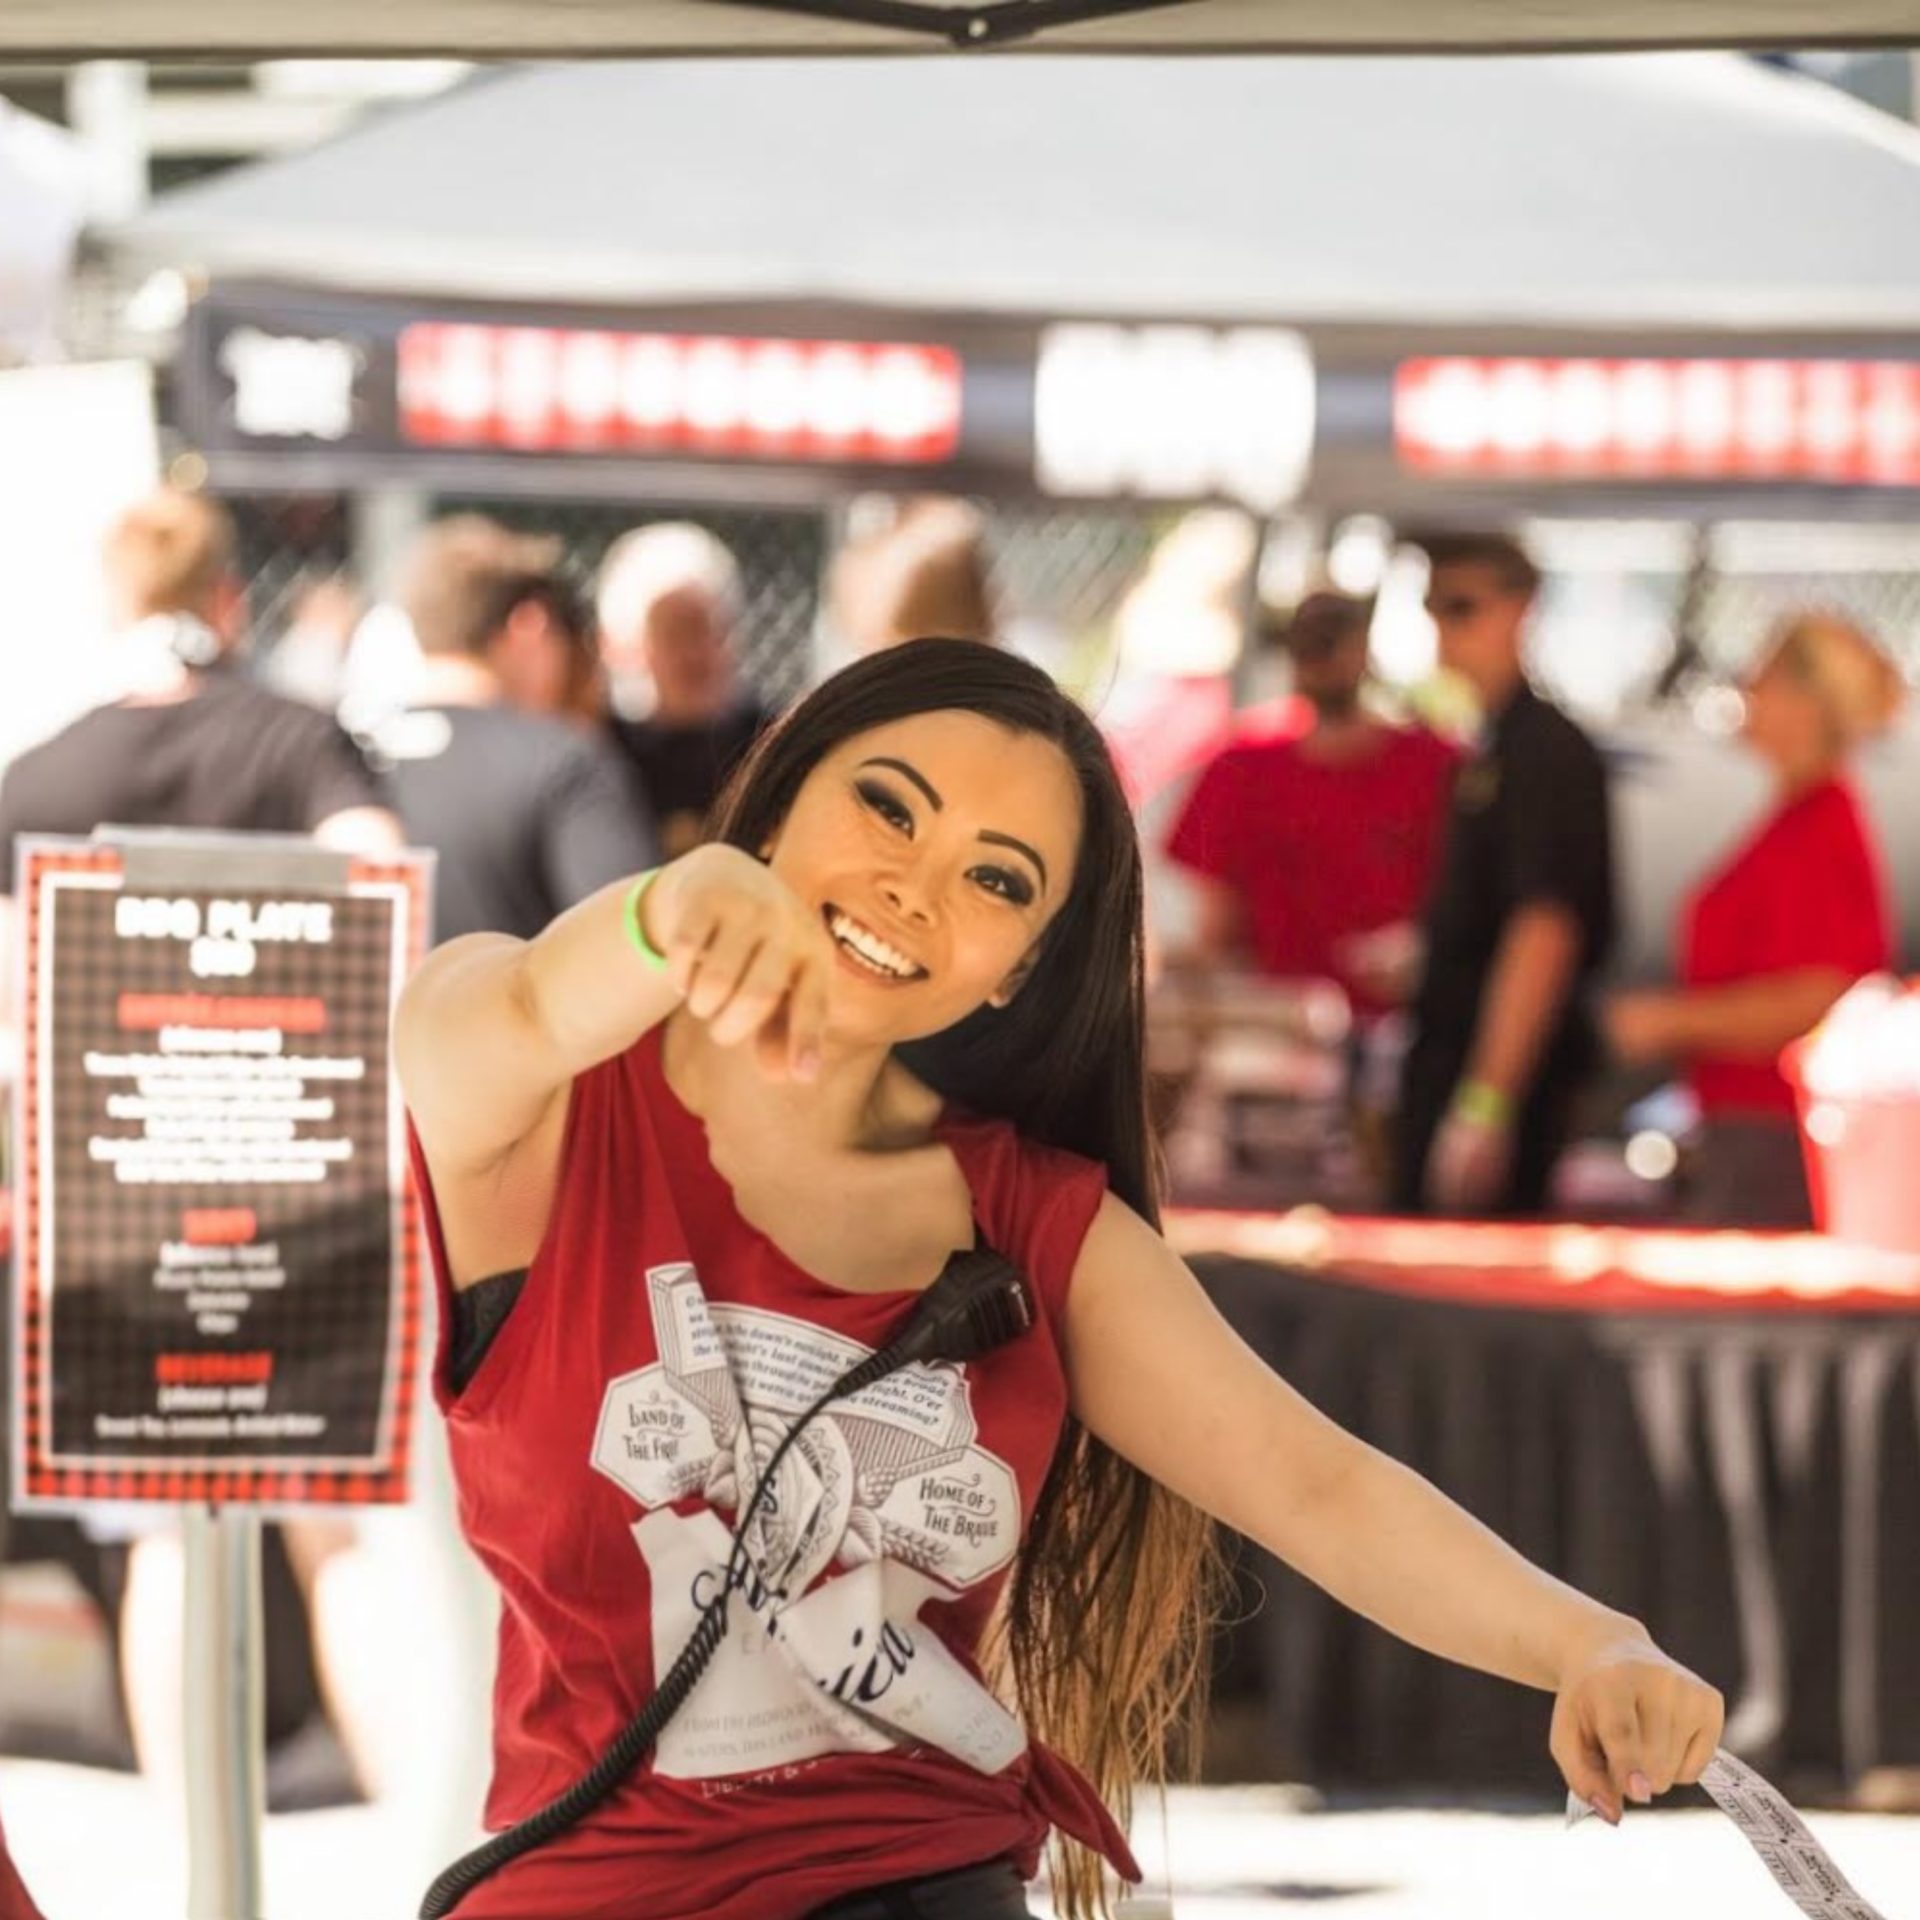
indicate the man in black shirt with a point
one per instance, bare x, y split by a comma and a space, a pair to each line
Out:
669, 600
1519, 924
191, 740
528, 813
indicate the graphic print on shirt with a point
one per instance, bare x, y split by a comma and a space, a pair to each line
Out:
885, 1493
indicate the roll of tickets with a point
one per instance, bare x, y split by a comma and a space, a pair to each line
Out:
1778, 1835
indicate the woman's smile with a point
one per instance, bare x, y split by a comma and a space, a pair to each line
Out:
869, 954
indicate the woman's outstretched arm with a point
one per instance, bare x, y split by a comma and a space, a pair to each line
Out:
1159, 1376
492, 1030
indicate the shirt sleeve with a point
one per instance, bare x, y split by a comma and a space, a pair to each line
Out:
1206, 837
333, 774
1559, 841
594, 828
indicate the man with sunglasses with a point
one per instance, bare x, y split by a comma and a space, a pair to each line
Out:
1520, 922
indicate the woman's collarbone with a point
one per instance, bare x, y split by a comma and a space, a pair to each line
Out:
867, 1229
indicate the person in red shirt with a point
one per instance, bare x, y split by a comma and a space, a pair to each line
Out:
1772, 940
699, 1149
1306, 849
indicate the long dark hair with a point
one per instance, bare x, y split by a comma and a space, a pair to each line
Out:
1102, 1635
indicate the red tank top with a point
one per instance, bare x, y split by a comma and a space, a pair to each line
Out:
843, 1737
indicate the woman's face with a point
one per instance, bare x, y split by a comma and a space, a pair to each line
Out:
937, 849
1785, 722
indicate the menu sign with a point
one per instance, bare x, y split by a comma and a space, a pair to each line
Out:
216, 1269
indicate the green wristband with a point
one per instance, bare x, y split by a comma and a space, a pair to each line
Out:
1484, 1104
636, 929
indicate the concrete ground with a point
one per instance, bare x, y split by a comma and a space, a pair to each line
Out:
94, 1844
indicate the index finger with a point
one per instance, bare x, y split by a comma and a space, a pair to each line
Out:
807, 1018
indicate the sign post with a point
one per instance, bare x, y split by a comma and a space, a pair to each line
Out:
217, 1299
225, 1697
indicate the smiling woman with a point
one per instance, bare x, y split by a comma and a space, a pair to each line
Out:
894, 1013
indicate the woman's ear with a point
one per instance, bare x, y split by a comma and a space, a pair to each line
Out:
1004, 995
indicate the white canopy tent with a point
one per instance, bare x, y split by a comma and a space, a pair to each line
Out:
1689, 191
1682, 204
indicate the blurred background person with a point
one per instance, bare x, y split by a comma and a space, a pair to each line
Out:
1770, 941
189, 738
923, 576
1312, 853
670, 602
192, 741
546, 654
526, 812
1521, 919
1179, 635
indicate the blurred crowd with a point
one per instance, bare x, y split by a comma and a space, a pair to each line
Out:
1427, 916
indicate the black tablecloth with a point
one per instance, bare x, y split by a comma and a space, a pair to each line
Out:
1745, 1482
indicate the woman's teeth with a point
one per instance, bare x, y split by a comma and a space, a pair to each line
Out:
866, 946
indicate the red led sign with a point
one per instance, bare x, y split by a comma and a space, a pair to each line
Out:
545, 389
1838, 421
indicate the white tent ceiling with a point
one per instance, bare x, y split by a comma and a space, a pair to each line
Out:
1671, 190
67, 29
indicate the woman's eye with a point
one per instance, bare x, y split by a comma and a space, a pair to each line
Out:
1008, 884
884, 804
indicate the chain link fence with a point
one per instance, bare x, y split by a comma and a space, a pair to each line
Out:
1058, 577
781, 554
285, 545
1740, 605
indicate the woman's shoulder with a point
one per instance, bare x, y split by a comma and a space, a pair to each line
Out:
1027, 1194
628, 1090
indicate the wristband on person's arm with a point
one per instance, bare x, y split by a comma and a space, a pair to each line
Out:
636, 927
1481, 1102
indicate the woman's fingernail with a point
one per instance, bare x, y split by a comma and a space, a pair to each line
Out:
1639, 1788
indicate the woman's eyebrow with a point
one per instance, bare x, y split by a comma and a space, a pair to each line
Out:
1019, 846
914, 774
920, 780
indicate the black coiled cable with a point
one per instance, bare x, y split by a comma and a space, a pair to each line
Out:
979, 1301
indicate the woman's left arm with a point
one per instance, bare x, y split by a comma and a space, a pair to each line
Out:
1157, 1374
1745, 1020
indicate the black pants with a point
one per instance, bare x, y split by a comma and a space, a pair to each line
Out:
991, 1892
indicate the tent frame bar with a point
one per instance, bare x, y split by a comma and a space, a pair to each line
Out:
983, 26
